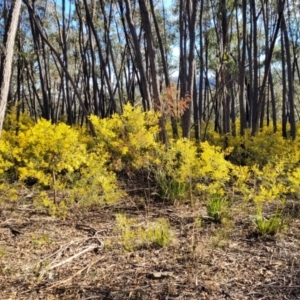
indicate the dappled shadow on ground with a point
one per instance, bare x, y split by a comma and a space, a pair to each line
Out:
82, 257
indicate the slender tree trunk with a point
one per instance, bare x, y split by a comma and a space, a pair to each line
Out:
284, 89
290, 79
254, 109
138, 55
191, 11
255, 125
154, 79
56, 54
242, 71
198, 113
90, 22
6, 63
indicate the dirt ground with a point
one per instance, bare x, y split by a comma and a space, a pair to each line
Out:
82, 257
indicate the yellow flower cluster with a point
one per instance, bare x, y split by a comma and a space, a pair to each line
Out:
54, 157
46, 148
128, 138
63, 159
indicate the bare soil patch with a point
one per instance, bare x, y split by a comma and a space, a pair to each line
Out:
82, 257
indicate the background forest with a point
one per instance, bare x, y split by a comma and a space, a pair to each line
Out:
234, 64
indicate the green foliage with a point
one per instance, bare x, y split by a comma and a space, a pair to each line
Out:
43, 203
133, 235
40, 241
270, 226
159, 233
217, 207
170, 188
3, 252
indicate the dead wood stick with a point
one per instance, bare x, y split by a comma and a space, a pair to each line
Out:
87, 249
74, 275
282, 286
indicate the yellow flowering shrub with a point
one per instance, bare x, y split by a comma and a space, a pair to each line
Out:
45, 204
45, 150
5, 156
96, 184
184, 166
56, 157
259, 150
213, 169
13, 123
264, 166
268, 184
60, 159
175, 168
128, 138
240, 179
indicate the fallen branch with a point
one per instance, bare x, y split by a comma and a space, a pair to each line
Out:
74, 275
87, 249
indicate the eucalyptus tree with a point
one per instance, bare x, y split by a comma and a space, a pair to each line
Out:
7, 55
57, 56
241, 64
187, 23
287, 68
269, 16
138, 58
145, 17
259, 100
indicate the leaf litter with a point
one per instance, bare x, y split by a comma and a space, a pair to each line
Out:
82, 257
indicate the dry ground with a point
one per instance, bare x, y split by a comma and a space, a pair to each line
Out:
82, 257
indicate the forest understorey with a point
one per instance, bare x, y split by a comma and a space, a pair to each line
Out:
82, 257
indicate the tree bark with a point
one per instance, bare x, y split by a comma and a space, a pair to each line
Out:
255, 124
57, 55
289, 78
138, 55
242, 71
191, 11
6, 65
151, 55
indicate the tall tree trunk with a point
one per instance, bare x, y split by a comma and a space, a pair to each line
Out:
284, 89
254, 109
65, 57
269, 54
6, 63
90, 22
138, 55
191, 11
198, 110
154, 79
242, 59
290, 79
57, 56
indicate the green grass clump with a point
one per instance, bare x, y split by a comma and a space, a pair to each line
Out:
217, 207
269, 226
133, 235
